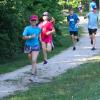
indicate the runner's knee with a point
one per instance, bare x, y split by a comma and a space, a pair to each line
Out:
49, 47
33, 59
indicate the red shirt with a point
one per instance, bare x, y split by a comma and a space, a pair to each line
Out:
46, 28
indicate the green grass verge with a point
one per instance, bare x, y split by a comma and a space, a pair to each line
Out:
82, 83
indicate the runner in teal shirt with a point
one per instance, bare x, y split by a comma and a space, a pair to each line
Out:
31, 35
29, 31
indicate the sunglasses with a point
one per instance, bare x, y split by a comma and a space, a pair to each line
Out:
45, 15
33, 20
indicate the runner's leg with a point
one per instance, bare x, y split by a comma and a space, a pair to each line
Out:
73, 40
34, 61
49, 47
94, 39
44, 51
90, 35
30, 56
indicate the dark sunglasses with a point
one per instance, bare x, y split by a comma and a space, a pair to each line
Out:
34, 20
45, 15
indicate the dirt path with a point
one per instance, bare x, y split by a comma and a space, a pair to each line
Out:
18, 80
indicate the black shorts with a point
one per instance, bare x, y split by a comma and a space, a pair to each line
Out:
75, 33
29, 49
91, 31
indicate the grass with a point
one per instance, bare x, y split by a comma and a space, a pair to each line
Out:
82, 83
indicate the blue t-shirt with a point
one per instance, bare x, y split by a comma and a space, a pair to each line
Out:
92, 20
92, 5
30, 30
72, 19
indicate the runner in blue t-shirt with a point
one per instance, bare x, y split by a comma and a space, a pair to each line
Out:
92, 26
73, 20
31, 34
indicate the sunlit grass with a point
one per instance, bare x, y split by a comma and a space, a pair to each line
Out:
82, 83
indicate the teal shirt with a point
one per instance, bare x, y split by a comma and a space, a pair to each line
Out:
29, 30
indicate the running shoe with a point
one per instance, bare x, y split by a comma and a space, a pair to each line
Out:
45, 62
93, 48
77, 39
74, 48
34, 78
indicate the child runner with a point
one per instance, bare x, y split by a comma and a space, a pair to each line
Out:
46, 35
31, 34
73, 20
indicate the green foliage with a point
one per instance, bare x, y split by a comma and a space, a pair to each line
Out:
74, 3
8, 27
14, 16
